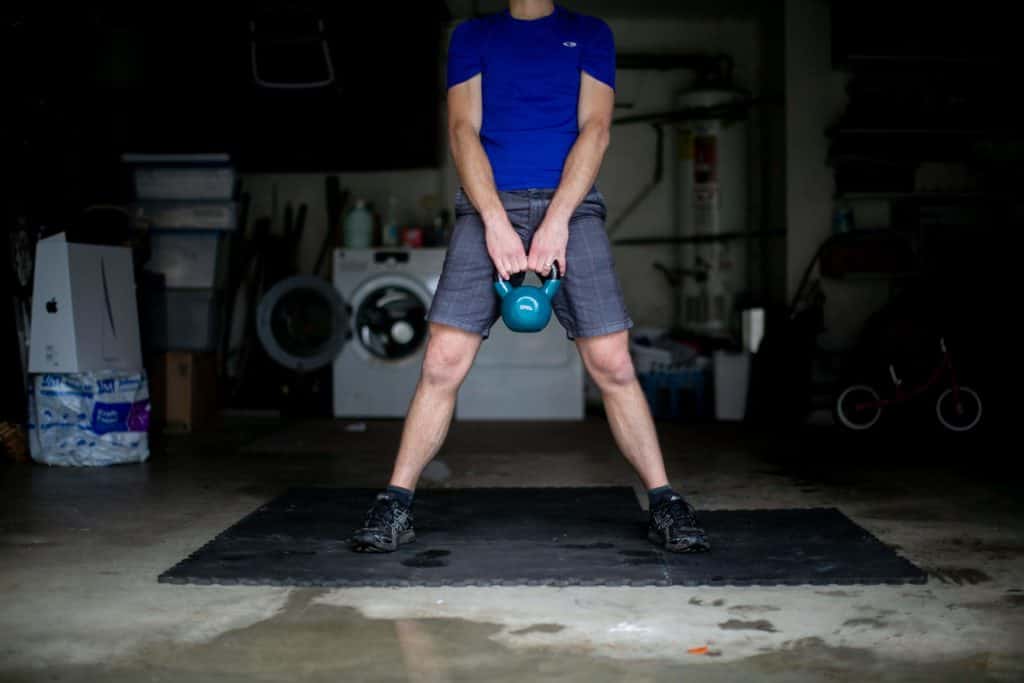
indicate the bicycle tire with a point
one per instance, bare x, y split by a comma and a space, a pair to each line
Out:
958, 428
845, 420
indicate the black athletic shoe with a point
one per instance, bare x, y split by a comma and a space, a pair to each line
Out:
674, 526
388, 524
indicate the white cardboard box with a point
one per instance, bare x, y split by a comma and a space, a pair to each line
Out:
732, 381
84, 316
520, 376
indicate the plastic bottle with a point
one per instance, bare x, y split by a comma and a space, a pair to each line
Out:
359, 227
391, 234
842, 219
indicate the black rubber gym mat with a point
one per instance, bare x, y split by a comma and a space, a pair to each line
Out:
536, 536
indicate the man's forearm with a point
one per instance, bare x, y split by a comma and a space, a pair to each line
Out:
475, 172
580, 170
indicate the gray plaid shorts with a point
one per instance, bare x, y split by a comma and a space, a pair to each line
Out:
589, 302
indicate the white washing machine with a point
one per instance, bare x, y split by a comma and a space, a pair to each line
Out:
388, 293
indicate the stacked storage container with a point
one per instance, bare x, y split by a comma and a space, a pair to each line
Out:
188, 202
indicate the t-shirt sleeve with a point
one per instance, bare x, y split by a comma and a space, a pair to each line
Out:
464, 53
598, 57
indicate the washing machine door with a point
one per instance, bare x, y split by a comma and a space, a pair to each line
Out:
302, 323
389, 317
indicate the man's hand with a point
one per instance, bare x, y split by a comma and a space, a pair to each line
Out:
504, 246
548, 245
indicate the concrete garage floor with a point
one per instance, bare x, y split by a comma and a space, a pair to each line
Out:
80, 551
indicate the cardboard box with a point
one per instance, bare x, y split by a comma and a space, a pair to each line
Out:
184, 391
84, 315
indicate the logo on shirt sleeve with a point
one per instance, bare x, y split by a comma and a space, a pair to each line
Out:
569, 43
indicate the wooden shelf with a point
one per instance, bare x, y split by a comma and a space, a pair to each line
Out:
875, 277
919, 60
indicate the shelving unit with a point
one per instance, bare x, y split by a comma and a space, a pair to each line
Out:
929, 152
918, 131
922, 196
915, 154
881, 161
924, 87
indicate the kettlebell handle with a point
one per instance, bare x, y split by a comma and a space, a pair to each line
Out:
554, 277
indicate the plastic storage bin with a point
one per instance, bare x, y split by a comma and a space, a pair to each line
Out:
188, 259
679, 394
184, 182
188, 215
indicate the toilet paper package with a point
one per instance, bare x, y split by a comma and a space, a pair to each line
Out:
89, 419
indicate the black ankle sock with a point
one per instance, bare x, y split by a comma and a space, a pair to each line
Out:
660, 494
403, 496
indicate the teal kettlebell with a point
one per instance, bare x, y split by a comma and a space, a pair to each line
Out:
527, 308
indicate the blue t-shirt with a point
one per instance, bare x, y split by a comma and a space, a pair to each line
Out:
531, 87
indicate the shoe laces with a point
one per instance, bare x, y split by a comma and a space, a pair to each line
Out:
676, 510
385, 512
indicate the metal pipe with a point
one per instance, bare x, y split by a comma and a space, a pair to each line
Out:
659, 168
733, 111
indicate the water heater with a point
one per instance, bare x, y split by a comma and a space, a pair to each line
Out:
713, 198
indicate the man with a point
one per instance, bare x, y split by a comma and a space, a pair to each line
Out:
530, 99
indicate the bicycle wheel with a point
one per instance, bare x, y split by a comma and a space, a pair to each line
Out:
851, 411
959, 416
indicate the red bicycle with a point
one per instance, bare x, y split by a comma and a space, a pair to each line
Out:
958, 408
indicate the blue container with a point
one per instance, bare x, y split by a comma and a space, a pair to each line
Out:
680, 395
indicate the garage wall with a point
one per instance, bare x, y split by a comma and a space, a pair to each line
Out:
630, 161
416, 190
814, 98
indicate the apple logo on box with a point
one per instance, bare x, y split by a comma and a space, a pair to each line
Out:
51, 306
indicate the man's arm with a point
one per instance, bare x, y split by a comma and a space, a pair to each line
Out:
465, 116
597, 101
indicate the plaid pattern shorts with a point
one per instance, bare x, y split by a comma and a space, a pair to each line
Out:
589, 302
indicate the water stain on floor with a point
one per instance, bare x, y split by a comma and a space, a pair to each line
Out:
428, 558
538, 628
865, 621
992, 550
959, 575
740, 625
753, 609
324, 644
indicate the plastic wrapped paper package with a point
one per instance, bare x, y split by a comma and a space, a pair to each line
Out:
89, 419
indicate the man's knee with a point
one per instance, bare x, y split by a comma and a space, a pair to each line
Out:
608, 361
448, 357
